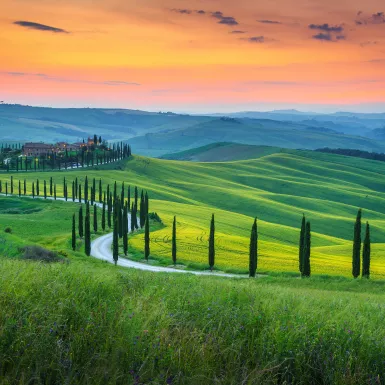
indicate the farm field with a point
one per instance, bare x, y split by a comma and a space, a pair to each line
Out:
276, 188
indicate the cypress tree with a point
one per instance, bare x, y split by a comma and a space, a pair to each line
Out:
37, 187
302, 242
136, 217
73, 191
136, 197
64, 188
366, 253
146, 203
86, 190
87, 231
80, 193
100, 191
147, 239
33, 189
104, 215
76, 187
19, 188
125, 229
129, 197
93, 190
92, 196
115, 242
212, 244
132, 218
81, 229
122, 194
109, 212
45, 189
356, 260
50, 186
54, 191
95, 219
173, 247
142, 216
25, 187
306, 270
253, 250
73, 233
11, 184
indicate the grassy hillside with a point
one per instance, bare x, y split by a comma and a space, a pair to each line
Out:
89, 322
222, 152
276, 188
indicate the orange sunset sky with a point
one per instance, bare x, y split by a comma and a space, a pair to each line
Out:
194, 56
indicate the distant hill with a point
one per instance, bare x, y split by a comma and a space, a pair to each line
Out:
158, 133
223, 152
248, 131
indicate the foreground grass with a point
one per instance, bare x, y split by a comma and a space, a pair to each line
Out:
92, 323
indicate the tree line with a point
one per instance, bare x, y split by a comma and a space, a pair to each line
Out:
69, 159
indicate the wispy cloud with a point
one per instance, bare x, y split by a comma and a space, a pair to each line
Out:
254, 39
39, 27
222, 19
327, 28
237, 32
375, 18
269, 22
115, 83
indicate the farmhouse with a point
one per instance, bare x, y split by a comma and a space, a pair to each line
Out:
36, 149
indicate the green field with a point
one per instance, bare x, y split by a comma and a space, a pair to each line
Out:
276, 188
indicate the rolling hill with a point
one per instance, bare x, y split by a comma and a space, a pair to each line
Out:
223, 152
156, 134
277, 188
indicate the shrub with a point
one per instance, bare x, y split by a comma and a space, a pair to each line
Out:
155, 217
8, 230
38, 253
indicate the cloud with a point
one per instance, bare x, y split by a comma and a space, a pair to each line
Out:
328, 32
255, 39
183, 11
269, 22
327, 28
323, 36
201, 12
39, 27
227, 20
375, 18
237, 32
69, 80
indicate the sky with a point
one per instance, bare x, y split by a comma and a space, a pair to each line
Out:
194, 56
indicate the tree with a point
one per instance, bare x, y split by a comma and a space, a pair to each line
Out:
306, 271
302, 242
132, 218
366, 253
45, 189
80, 193
146, 202
122, 194
100, 191
73, 191
142, 213
37, 187
95, 219
33, 189
125, 229
104, 215
81, 229
173, 247
356, 260
86, 190
212, 244
253, 251
73, 233
115, 241
147, 239
50, 186
87, 231
54, 191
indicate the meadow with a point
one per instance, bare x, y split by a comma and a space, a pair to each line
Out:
276, 188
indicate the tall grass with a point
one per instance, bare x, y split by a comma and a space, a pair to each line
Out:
92, 323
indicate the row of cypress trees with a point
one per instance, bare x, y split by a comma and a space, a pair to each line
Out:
366, 249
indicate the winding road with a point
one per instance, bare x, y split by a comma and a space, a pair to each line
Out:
101, 248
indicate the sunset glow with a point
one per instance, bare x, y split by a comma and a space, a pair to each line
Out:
194, 56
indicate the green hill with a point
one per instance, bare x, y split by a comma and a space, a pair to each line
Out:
276, 188
251, 132
223, 152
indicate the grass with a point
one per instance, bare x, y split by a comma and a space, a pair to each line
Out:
89, 322
92, 323
276, 188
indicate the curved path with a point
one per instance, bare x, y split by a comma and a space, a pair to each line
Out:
101, 248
